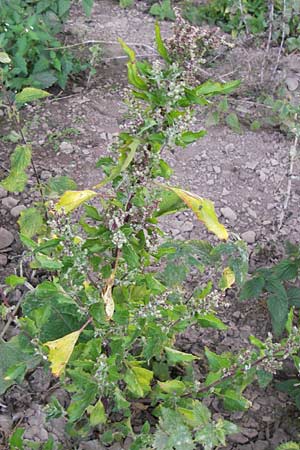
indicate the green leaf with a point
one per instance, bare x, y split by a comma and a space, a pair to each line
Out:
162, 50
127, 155
55, 313
252, 288
45, 262
279, 310
21, 158
169, 204
163, 10
30, 222
286, 270
138, 380
87, 6
175, 387
264, 378
44, 79
293, 294
211, 321
14, 280
63, 7
59, 185
234, 401
126, 3
12, 353
15, 182
97, 414
130, 256
233, 122
30, 94
188, 137
16, 440
177, 357
216, 361
214, 88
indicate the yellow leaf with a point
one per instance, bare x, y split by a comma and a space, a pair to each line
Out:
204, 210
72, 199
60, 351
227, 280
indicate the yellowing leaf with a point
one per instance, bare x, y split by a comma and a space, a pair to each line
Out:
227, 280
30, 94
204, 210
72, 199
60, 351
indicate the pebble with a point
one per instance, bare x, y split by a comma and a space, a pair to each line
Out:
16, 211
6, 424
3, 192
217, 169
238, 438
250, 432
6, 238
292, 83
3, 262
251, 165
66, 147
229, 214
45, 175
210, 182
249, 237
261, 445
187, 226
9, 202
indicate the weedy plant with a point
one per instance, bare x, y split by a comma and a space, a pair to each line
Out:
28, 33
106, 319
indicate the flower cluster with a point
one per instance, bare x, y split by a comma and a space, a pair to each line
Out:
189, 45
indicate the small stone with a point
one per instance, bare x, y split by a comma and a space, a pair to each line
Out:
187, 226
86, 151
210, 182
249, 237
217, 169
225, 192
238, 438
66, 147
251, 165
92, 445
274, 162
3, 192
45, 175
229, 147
6, 238
249, 432
9, 202
261, 445
292, 83
252, 213
16, 211
229, 214
6, 424
3, 262
262, 176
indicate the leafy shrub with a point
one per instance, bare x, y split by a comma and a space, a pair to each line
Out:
118, 294
28, 32
279, 282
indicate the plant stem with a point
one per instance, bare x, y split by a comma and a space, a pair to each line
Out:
271, 18
293, 154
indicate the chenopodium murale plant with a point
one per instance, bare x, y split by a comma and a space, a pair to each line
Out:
117, 294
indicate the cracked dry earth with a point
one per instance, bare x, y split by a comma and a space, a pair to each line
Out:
244, 174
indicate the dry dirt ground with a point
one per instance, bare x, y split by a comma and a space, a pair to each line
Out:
244, 174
